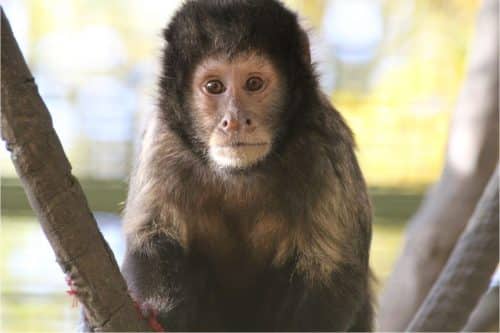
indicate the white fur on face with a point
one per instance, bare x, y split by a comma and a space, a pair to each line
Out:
238, 157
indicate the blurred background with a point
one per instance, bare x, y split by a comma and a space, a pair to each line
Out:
393, 68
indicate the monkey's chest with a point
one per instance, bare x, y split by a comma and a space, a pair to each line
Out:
240, 260
234, 263
244, 294
239, 245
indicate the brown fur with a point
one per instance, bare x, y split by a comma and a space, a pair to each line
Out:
269, 237
280, 244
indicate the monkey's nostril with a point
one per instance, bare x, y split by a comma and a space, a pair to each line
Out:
230, 125
248, 122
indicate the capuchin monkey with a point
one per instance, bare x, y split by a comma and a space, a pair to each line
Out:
247, 210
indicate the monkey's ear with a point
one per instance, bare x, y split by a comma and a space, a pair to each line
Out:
305, 47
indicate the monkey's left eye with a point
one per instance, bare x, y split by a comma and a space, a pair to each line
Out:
254, 83
215, 87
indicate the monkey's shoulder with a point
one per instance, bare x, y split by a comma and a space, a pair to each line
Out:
333, 124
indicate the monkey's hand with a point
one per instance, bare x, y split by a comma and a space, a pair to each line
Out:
150, 314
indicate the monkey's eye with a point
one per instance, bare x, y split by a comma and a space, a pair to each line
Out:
215, 87
254, 83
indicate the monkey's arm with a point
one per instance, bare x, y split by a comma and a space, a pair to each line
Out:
159, 278
330, 288
151, 272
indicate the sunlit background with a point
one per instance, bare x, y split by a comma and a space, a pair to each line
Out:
392, 67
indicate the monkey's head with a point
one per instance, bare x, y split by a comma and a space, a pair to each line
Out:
236, 76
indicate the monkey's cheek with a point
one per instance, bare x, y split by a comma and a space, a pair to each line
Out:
238, 157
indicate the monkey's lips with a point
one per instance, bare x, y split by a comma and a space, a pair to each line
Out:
242, 144
238, 154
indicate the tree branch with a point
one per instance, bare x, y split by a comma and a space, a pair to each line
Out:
57, 198
468, 271
485, 317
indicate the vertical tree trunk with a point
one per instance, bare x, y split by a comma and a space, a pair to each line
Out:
471, 157
57, 198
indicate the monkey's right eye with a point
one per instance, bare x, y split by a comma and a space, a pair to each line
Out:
215, 87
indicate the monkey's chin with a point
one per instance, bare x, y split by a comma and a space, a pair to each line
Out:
239, 156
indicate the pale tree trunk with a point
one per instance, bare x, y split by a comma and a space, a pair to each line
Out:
485, 316
467, 273
57, 198
471, 157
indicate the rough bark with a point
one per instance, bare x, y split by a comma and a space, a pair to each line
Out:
485, 316
471, 157
467, 273
57, 198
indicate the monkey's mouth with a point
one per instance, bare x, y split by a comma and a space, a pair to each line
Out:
242, 144
238, 154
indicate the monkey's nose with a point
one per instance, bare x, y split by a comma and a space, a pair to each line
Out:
230, 124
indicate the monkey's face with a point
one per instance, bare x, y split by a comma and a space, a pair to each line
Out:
236, 105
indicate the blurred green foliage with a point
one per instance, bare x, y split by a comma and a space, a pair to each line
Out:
401, 119
102, 195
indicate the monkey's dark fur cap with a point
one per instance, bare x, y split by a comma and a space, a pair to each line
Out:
230, 27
